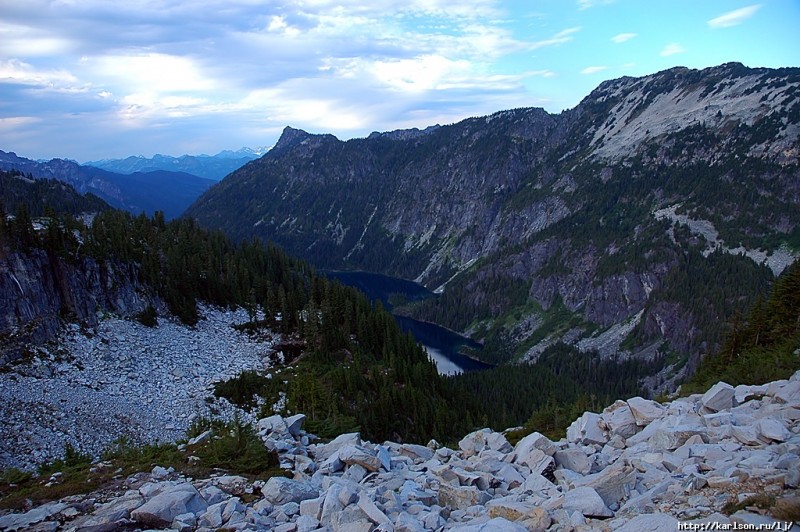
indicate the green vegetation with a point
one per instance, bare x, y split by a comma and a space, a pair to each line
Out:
549, 394
355, 360
761, 348
40, 196
232, 446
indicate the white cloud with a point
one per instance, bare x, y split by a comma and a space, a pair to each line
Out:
151, 72
672, 49
593, 69
561, 37
735, 17
622, 37
15, 71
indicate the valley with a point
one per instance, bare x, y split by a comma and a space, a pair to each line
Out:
603, 308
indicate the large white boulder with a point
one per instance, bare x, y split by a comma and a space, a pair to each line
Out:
586, 501
644, 411
280, 490
162, 509
719, 397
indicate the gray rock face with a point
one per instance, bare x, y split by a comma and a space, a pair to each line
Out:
36, 290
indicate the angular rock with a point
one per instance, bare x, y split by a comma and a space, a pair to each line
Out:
474, 442
324, 451
619, 419
294, 424
280, 490
573, 459
772, 429
272, 425
516, 511
36, 515
162, 509
670, 438
353, 454
644, 411
461, 497
612, 484
372, 511
533, 441
651, 523
498, 524
718, 397
586, 501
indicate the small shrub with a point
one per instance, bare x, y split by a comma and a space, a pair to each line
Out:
14, 476
761, 501
237, 448
787, 509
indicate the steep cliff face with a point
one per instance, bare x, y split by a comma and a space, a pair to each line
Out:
525, 217
38, 291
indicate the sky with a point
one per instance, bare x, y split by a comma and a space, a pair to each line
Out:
96, 79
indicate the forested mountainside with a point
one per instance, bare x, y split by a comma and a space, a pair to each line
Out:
156, 190
357, 370
637, 222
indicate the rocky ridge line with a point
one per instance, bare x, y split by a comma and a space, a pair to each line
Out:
639, 465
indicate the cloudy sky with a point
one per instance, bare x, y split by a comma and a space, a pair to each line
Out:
93, 79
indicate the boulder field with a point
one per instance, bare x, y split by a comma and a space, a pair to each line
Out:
638, 465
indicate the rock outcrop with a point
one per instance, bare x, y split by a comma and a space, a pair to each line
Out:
636, 466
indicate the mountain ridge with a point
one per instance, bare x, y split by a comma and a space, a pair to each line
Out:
558, 210
157, 190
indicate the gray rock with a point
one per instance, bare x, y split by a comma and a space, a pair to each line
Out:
372, 511
353, 454
772, 429
586, 501
498, 524
162, 509
312, 507
280, 490
718, 397
294, 424
324, 451
31, 517
619, 419
405, 522
474, 442
612, 484
573, 459
306, 523
651, 523
533, 441
461, 497
644, 411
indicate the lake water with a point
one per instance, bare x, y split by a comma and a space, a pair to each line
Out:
441, 344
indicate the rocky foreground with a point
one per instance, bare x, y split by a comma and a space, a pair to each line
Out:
637, 466
120, 379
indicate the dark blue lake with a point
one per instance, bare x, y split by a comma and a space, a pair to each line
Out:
443, 345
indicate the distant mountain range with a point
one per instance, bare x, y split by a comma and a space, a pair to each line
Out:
213, 167
170, 192
635, 224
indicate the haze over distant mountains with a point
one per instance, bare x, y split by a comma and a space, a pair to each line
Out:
213, 167
155, 190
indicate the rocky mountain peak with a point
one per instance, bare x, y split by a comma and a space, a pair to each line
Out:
636, 111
